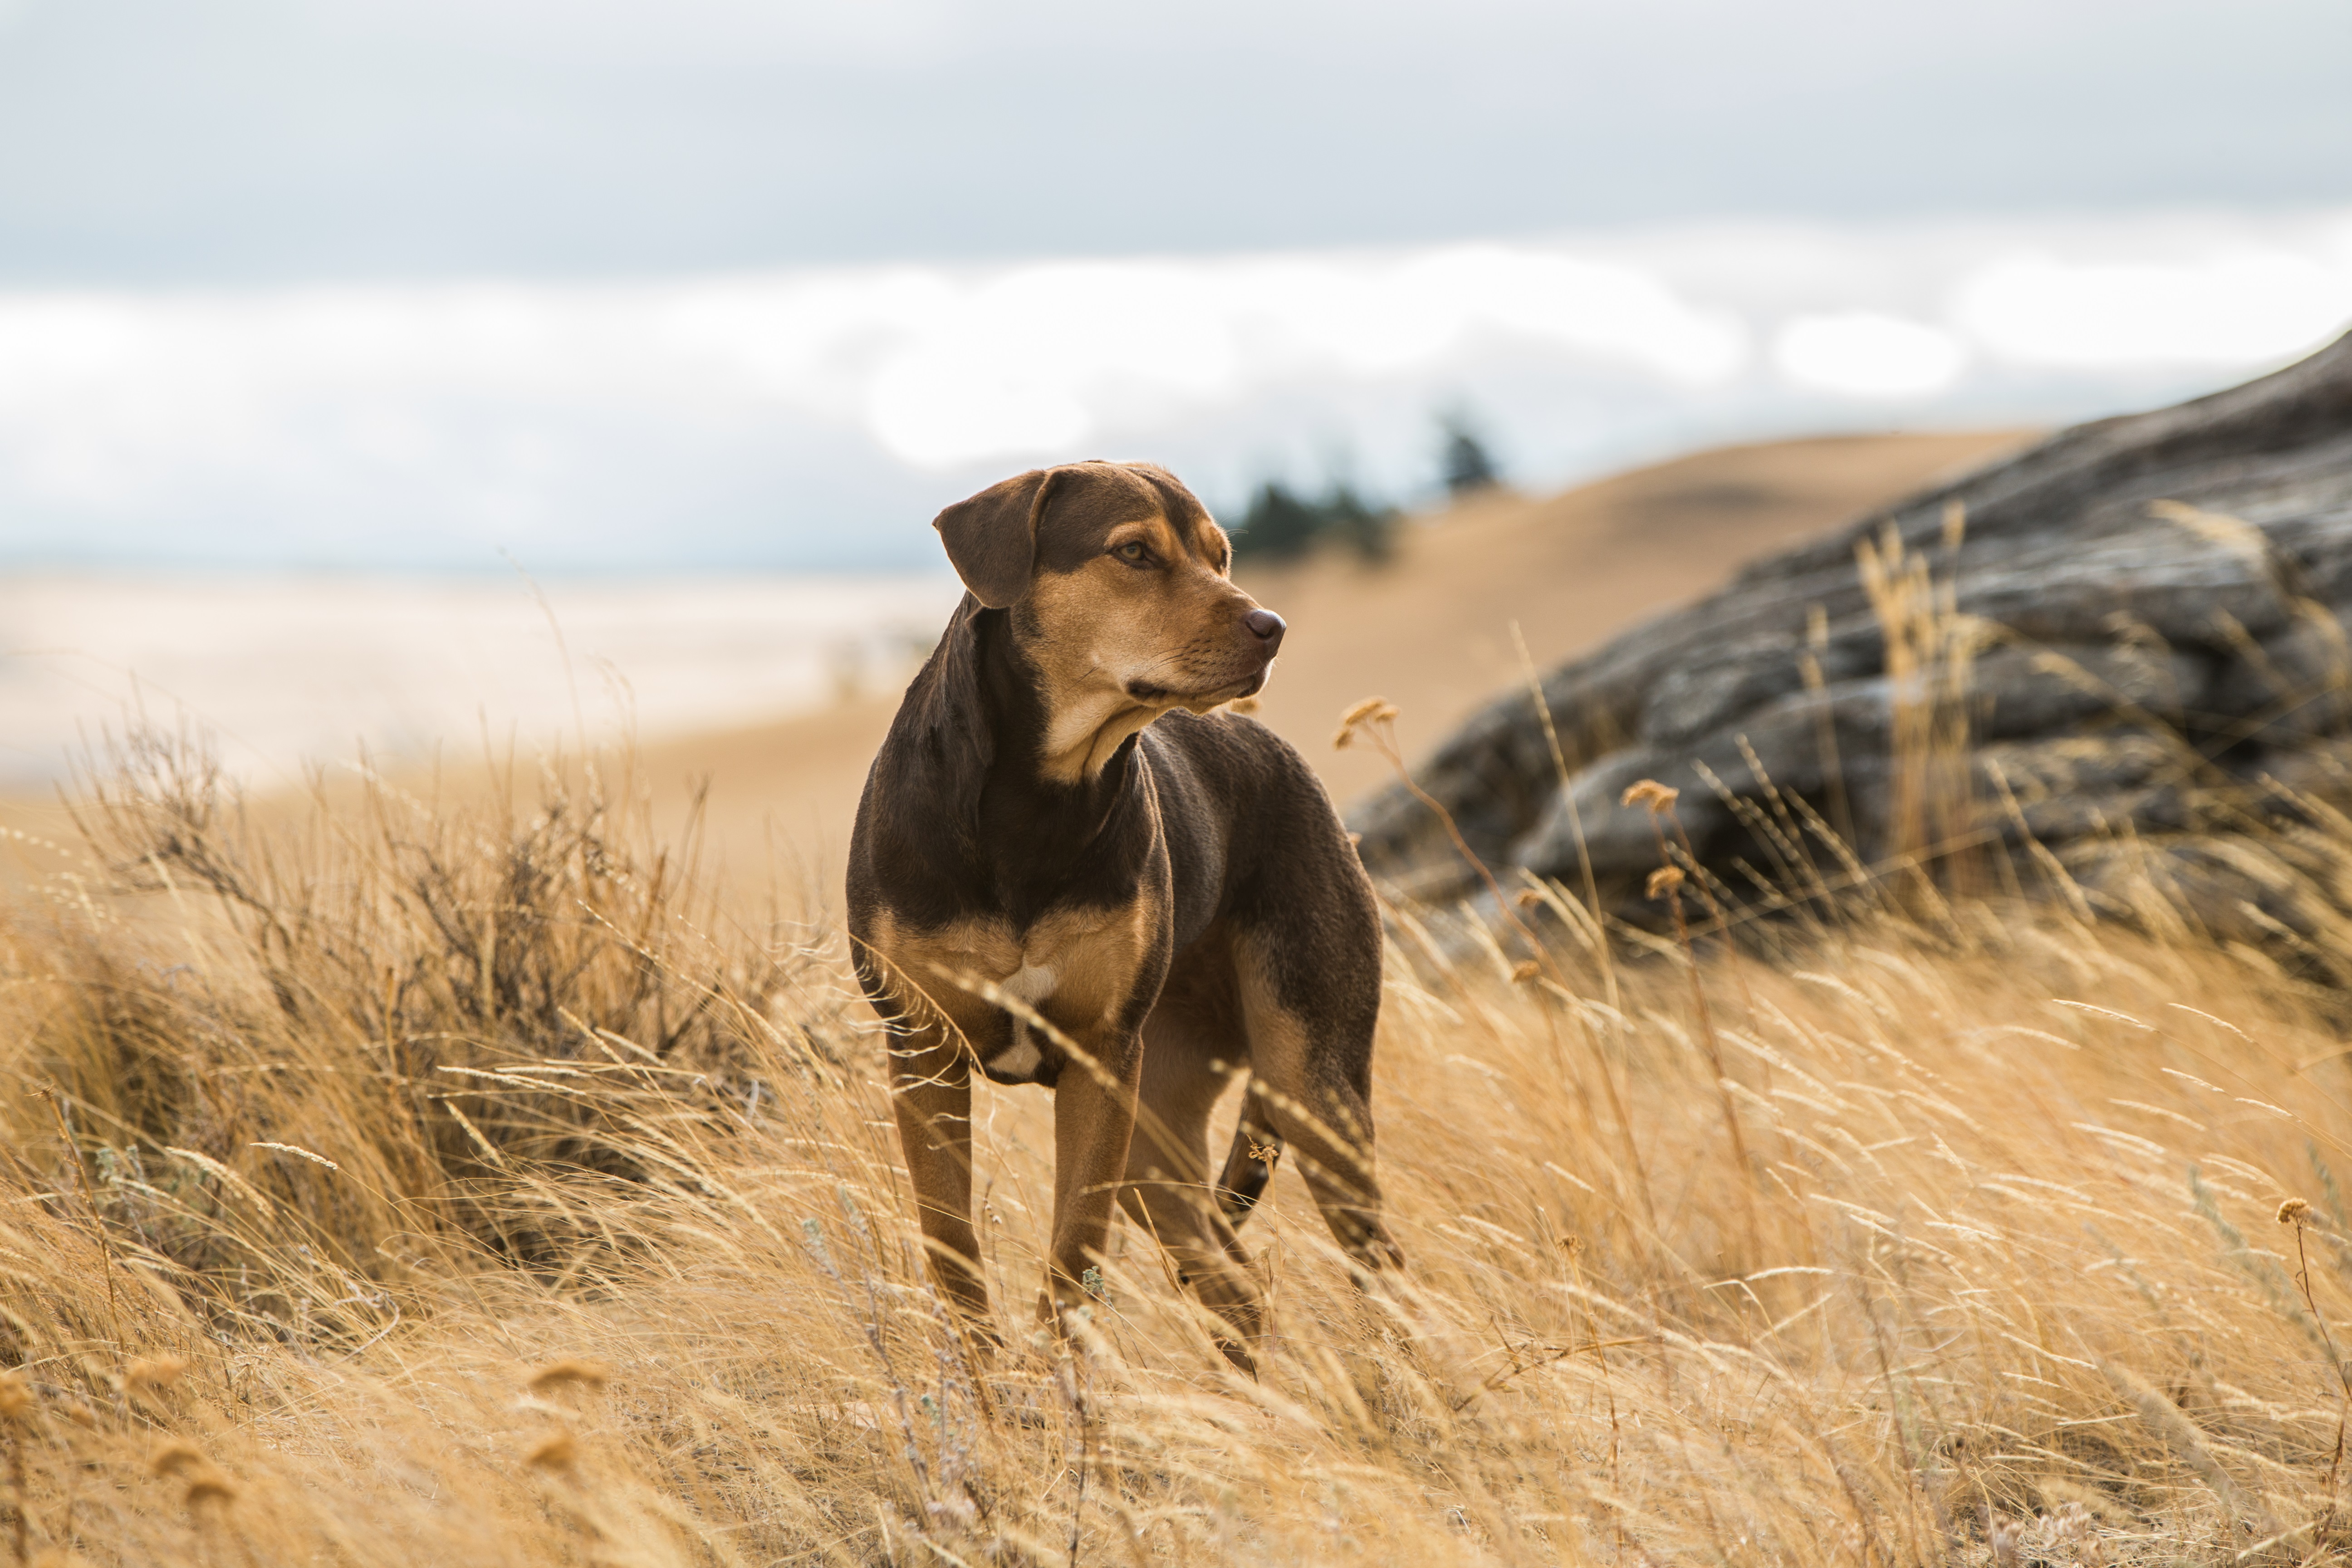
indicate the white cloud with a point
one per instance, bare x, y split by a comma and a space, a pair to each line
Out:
126, 396
785, 412
1024, 364
2243, 307
1864, 354
1034, 358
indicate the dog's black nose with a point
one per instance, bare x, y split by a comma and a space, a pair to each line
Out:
1266, 626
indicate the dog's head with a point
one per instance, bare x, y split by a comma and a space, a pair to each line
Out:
1115, 578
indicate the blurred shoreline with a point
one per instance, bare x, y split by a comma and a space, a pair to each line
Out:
276, 667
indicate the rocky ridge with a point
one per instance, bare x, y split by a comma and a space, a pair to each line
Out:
2110, 642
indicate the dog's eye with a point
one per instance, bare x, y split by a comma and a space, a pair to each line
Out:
1135, 553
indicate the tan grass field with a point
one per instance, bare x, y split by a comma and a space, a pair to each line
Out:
467, 1190
469, 1183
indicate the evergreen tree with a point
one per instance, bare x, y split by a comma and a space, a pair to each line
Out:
1283, 525
1279, 525
1468, 466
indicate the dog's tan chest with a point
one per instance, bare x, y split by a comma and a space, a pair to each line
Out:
1076, 968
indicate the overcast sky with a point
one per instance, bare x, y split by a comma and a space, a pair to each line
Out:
252, 142
673, 284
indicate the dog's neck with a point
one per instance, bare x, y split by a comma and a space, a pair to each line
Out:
982, 743
1074, 745
1084, 731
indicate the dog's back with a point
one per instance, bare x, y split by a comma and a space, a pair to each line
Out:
1256, 845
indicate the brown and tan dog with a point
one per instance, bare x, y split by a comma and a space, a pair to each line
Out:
1060, 812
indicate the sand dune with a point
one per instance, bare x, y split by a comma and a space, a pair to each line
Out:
1430, 630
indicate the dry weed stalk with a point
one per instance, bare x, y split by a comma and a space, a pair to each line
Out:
1930, 650
1667, 882
2295, 1213
16, 1423
1374, 719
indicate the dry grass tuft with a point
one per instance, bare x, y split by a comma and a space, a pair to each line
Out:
208, 1486
2000, 1257
175, 1457
588, 1374
558, 1452
161, 1372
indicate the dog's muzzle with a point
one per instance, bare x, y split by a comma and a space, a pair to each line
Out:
1260, 637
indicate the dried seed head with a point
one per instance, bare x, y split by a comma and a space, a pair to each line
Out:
589, 1374
1524, 971
160, 1372
14, 1397
2293, 1210
1370, 710
1527, 899
1664, 880
557, 1451
1649, 792
175, 1455
2005, 1537
209, 1484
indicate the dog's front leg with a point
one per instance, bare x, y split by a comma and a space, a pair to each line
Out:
1093, 1122
930, 1091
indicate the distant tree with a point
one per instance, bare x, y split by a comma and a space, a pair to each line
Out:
1468, 465
1279, 525
1367, 528
1283, 525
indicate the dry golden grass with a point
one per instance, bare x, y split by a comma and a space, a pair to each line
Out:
458, 1186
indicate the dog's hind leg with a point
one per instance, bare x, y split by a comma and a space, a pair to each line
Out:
1310, 1035
1250, 1162
1167, 1192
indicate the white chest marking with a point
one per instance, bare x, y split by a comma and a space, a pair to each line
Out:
1032, 983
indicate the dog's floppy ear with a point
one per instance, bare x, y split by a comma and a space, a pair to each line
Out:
993, 537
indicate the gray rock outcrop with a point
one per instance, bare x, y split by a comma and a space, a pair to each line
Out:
2141, 616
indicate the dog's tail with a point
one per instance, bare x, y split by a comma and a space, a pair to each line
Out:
1249, 1166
